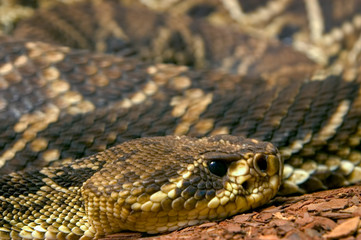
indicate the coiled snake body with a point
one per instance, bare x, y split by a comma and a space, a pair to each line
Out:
58, 104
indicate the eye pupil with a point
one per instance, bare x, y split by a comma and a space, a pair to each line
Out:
218, 168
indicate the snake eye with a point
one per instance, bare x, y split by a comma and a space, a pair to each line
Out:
218, 168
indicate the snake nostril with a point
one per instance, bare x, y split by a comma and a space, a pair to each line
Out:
245, 185
260, 163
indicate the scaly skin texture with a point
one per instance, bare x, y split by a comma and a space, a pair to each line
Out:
317, 137
109, 26
236, 37
300, 92
150, 185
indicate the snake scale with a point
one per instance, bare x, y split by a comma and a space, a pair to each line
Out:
93, 143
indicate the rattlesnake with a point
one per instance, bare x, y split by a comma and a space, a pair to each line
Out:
59, 104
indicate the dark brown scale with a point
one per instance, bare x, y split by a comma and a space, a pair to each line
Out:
255, 112
200, 194
296, 114
189, 192
68, 177
254, 5
280, 109
210, 192
346, 130
234, 113
336, 13
319, 108
31, 183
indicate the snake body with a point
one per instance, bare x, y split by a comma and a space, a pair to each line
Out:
63, 112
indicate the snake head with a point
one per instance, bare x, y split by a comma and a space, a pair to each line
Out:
165, 183
243, 178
